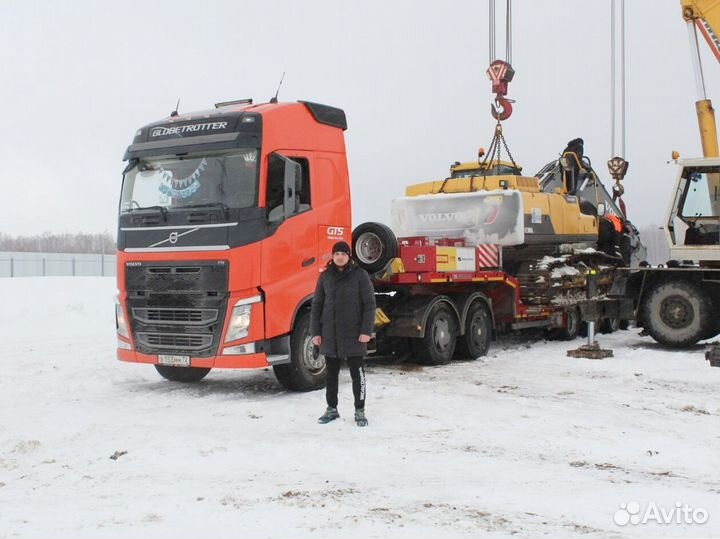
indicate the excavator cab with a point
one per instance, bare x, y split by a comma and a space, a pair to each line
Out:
573, 176
474, 168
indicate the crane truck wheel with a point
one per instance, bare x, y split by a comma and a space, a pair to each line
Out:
677, 313
374, 245
182, 374
478, 331
306, 370
438, 345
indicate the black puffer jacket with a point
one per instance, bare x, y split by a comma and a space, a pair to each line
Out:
343, 308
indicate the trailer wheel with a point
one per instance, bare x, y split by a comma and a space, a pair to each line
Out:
478, 331
438, 344
306, 370
677, 313
186, 375
572, 326
374, 245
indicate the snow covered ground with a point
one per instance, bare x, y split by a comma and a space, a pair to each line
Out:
526, 442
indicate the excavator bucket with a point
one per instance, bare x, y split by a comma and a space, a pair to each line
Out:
483, 217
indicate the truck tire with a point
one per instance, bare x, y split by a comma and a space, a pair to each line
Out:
186, 375
374, 245
572, 326
478, 332
438, 345
677, 313
306, 370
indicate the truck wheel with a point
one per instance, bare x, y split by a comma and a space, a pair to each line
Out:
572, 326
478, 330
677, 313
182, 374
374, 245
438, 344
306, 370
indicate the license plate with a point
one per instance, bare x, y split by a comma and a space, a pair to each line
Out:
175, 361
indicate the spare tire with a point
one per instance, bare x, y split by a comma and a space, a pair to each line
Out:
373, 245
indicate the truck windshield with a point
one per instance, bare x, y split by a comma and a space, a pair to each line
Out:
229, 179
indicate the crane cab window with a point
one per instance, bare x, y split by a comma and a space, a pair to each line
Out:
699, 207
702, 193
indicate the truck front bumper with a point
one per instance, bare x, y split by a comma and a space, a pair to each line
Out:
226, 361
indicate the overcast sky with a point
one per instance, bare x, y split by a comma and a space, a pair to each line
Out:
80, 77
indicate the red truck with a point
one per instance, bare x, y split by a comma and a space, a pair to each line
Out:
226, 217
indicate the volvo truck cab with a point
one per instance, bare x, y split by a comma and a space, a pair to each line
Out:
226, 217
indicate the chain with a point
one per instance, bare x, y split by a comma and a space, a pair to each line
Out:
494, 153
502, 138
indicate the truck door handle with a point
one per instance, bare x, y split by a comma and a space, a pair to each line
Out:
308, 262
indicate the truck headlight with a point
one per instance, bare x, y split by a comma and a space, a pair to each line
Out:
239, 323
120, 322
239, 326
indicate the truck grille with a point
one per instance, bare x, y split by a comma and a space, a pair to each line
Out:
174, 341
175, 316
177, 307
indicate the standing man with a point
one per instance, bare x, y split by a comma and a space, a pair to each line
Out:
343, 316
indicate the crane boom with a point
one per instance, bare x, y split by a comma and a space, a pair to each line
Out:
703, 15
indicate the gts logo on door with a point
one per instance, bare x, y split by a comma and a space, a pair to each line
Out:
335, 231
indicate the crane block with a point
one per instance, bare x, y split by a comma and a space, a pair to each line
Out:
500, 74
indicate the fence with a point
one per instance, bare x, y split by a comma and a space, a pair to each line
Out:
20, 264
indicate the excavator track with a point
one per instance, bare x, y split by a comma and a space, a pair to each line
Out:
564, 278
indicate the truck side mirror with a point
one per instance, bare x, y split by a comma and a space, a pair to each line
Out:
293, 176
601, 209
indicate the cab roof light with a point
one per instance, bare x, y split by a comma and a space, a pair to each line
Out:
236, 102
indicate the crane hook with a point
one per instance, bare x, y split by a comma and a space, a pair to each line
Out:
502, 108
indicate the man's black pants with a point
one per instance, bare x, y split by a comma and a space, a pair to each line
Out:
357, 373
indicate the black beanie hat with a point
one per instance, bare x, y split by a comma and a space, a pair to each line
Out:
341, 247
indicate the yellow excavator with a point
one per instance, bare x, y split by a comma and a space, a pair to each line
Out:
549, 226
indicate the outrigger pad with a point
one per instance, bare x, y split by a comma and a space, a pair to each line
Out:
712, 354
590, 351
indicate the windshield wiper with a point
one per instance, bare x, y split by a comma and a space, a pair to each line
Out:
163, 210
208, 205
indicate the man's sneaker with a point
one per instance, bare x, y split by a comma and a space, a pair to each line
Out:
360, 419
329, 415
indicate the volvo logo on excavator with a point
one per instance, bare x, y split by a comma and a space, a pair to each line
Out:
173, 237
435, 217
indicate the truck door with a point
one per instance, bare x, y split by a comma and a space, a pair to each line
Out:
289, 255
